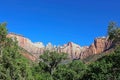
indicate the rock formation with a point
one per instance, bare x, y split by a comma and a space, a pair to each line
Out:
100, 45
34, 48
73, 50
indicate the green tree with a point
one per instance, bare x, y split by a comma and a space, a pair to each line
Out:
13, 66
105, 68
79, 67
63, 72
74, 70
114, 33
40, 73
52, 59
49, 61
100, 70
3, 32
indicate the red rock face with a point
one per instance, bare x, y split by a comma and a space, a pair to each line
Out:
73, 50
100, 45
28, 56
27, 45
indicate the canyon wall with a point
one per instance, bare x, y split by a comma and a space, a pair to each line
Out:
100, 45
73, 50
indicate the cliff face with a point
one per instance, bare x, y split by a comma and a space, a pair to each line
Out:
35, 48
100, 45
73, 50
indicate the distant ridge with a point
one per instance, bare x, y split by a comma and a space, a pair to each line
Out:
73, 50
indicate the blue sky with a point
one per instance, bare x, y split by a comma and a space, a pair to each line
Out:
60, 21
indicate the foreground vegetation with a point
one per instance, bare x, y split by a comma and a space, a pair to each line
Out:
52, 65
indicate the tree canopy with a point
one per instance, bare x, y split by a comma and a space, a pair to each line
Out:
13, 66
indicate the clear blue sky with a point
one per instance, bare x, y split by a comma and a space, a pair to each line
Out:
60, 21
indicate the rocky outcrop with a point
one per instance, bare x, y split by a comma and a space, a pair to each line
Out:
38, 48
35, 48
100, 45
73, 50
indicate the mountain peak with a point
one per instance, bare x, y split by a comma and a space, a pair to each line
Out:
72, 49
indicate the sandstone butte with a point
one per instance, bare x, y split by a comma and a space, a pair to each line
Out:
73, 50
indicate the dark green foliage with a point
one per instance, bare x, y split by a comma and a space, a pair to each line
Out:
52, 59
114, 33
3, 32
105, 68
79, 68
49, 61
13, 66
63, 72
71, 71
99, 70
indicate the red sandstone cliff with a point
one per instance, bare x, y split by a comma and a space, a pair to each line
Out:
100, 45
74, 51
35, 49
